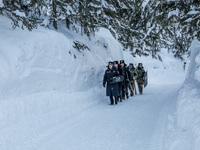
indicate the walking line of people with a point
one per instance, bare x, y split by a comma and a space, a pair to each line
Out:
119, 78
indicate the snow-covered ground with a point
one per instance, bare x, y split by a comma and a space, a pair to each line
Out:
184, 123
52, 98
1, 3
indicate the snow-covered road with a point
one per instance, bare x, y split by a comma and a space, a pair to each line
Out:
52, 98
137, 123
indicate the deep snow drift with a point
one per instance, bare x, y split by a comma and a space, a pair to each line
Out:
184, 125
1, 4
42, 77
51, 95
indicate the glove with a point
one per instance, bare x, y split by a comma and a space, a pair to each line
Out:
104, 85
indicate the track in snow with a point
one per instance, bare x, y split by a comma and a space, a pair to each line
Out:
137, 123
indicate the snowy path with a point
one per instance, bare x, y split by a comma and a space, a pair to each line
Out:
137, 123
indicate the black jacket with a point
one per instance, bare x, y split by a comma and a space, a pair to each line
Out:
114, 88
126, 73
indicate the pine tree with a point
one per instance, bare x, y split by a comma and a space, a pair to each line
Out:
143, 28
180, 26
10, 10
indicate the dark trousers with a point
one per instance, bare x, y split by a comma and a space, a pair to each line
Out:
112, 100
120, 90
124, 90
132, 87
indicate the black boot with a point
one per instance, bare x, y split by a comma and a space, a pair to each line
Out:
132, 94
111, 100
116, 100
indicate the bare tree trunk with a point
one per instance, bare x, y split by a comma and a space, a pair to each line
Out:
67, 20
54, 15
67, 23
86, 7
86, 14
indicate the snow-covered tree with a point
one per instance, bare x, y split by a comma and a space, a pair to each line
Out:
143, 27
15, 10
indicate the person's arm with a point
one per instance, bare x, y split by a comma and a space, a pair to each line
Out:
104, 80
129, 75
135, 74
143, 72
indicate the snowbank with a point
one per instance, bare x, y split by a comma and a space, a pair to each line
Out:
44, 60
185, 125
42, 72
1, 3
42, 77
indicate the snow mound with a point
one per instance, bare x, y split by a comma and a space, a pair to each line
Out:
186, 131
43, 78
45, 60
1, 3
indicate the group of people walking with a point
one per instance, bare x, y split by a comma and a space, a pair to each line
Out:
120, 78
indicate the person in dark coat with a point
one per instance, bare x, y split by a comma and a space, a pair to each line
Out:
127, 77
117, 68
112, 89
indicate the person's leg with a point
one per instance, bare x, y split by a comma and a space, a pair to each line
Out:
141, 88
126, 90
111, 99
130, 89
120, 92
123, 92
116, 99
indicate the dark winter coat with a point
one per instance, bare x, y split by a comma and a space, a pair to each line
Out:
114, 88
126, 73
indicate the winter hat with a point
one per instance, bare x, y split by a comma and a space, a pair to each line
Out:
139, 64
115, 62
130, 64
121, 61
110, 63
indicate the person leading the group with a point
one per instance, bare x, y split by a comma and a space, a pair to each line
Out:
112, 89
140, 75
